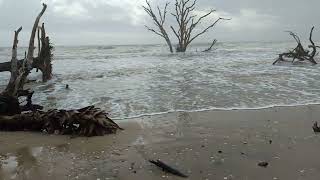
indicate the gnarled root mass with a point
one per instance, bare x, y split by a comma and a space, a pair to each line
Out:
300, 53
89, 121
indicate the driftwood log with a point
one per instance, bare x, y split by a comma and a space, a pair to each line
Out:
300, 53
89, 121
165, 167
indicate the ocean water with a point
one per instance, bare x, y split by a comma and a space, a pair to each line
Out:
130, 81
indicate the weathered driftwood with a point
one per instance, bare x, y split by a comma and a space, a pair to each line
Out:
42, 62
167, 168
300, 53
9, 105
21, 69
159, 22
89, 121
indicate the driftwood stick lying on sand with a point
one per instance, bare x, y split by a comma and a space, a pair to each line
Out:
167, 168
89, 121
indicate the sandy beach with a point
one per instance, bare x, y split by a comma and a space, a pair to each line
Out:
203, 145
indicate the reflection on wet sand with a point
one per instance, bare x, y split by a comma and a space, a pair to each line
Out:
21, 165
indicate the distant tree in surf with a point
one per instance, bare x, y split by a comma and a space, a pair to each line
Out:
187, 22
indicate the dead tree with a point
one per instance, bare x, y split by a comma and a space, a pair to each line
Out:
300, 53
42, 62
89, 121
188, 22
159, 22
19, 73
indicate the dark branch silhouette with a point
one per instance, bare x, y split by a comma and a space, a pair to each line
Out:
300, 53
214, 42
187, 23
159, 22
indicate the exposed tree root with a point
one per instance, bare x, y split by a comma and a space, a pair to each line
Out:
89, 121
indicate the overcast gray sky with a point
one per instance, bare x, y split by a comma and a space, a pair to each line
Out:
98, 22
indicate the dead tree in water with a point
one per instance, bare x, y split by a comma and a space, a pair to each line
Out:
159, 22
42, 62
19, 72
300, 53
89, 121
187, 23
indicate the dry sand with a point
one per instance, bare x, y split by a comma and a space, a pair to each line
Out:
203, 145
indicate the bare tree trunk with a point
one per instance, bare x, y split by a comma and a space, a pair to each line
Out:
19, 72
187, 23
42, 62
11, 90
33, 34
159, 22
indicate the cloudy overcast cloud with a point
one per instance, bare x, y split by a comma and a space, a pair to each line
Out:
90, 22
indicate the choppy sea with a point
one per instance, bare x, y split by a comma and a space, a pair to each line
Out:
135, 80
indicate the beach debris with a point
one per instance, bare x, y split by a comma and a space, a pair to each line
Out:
211, 46
88, 121
263, 164
300, 53
167, 168
316, 128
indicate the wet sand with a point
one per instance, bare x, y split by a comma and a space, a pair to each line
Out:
203, 145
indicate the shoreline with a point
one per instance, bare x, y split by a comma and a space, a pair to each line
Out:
214, 144
214, 109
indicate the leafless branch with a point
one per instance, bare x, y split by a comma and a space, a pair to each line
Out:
159, 22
